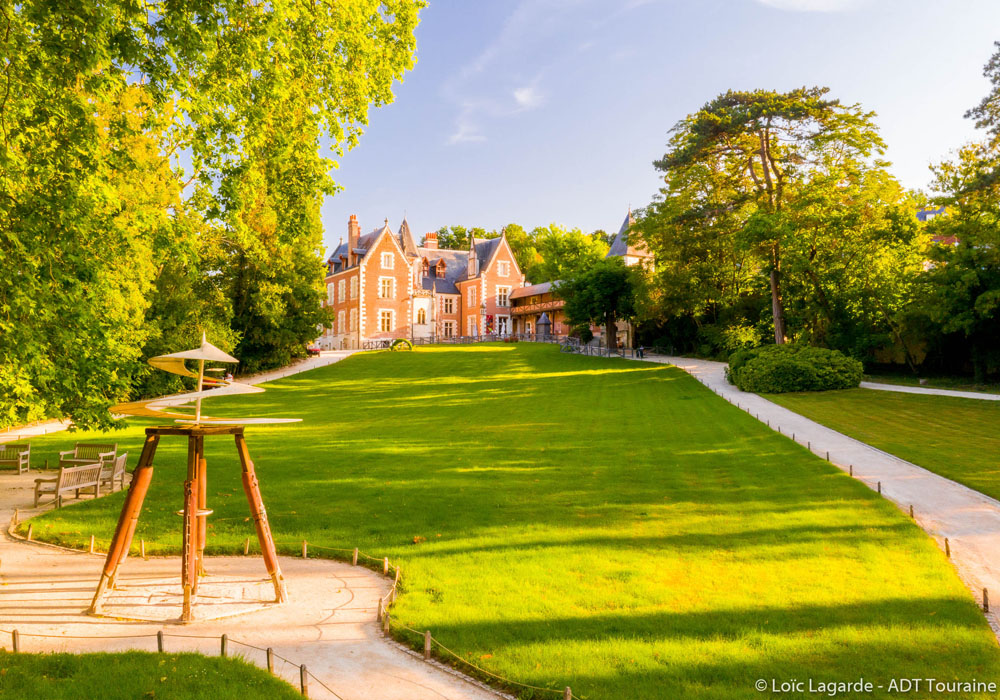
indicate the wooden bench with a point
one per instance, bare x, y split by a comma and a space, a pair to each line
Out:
75, 479
88, 453
16, 456
114, 471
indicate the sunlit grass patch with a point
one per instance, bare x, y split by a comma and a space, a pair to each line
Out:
563, 520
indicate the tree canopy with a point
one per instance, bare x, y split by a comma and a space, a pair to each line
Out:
102, 103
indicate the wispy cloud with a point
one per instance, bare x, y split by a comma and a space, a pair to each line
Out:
527, 97
812, 5
508, 77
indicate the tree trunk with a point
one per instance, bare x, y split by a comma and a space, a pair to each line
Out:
776, 308
612, 331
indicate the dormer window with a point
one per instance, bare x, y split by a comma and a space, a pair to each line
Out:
426, 270
439, 269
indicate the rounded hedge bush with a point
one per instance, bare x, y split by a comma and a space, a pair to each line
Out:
776, 369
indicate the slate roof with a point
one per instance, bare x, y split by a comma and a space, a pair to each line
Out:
485, 249
531, 290
405, 239
620, 247
456, 265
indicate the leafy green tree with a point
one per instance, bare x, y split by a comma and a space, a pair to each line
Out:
563, 253
453, 238
97, 99
962, 285
523, 246
602, 294
767, 147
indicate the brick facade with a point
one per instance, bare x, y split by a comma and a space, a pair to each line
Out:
392, 288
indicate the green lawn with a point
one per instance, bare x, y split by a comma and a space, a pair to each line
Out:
135, 674
956, 438
599, 523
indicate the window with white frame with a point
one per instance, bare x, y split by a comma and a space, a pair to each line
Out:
421, 316
387, 260
503, 268
472, 325
340, 322
503, 296
340, 290
472, 296
502, 325
386, 287
354, 287
329, 294
354, 320
449, 329
385, 321
449, 305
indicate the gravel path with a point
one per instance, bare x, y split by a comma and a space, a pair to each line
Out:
329, 623
982, 396
942, 507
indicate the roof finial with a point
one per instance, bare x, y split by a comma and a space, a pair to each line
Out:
387, 221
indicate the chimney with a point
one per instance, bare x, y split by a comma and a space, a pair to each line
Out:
431, 240
353, 234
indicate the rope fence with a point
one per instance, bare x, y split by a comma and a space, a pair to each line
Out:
383, 617
224, 641
984, 599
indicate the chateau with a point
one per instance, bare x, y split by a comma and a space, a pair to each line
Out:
383, 285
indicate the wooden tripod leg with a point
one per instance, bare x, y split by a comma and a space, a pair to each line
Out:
125, 529
202, 505
252, 489
189, 536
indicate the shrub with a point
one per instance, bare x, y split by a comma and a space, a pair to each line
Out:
777, 369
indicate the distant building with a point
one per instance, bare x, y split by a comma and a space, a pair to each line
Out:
383, 285
529, 303
928, 213
634, 252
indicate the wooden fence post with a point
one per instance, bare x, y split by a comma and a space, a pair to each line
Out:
378, 616
568, 694
427, 645
224, 645
880, 487
911, 510
828, 455
305, 550
852, 470
91, 544
385, 566
986, 600
947, 548
159, 641
270, 660
15, 517
15, 640
385, 623
30, 526
304, 680
246, 547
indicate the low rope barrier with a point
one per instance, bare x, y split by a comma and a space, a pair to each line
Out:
16, 636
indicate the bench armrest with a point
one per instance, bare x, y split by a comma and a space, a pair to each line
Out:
64, 453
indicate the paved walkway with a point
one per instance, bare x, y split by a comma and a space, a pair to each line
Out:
903, 389
944, 508
329, 623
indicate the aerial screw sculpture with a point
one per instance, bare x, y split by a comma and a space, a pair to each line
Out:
195, 511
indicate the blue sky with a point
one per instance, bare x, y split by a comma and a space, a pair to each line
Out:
540, 111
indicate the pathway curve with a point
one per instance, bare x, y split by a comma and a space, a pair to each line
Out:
904, 389
944, 508
329, 623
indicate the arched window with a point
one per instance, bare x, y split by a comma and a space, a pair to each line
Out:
421, 316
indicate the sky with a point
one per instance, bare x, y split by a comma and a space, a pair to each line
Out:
552, 111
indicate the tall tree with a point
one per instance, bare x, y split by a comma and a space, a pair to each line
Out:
768, 145
601, 294
563, 253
